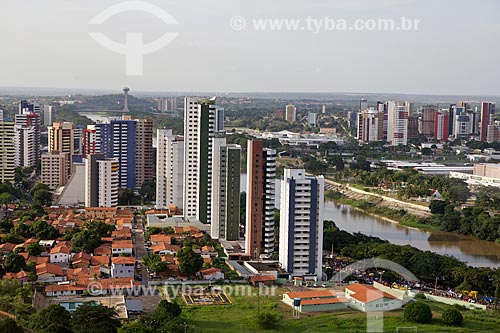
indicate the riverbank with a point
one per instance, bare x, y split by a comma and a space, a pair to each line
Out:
400, 217
351, 191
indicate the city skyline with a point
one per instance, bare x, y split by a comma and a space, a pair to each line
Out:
327, 61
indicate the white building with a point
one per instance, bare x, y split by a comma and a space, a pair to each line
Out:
225, 209
122, 267
27, 135
397, 122
47, 114
101, 181
169, 169
199, 129
301, 223
7, 152
311, 119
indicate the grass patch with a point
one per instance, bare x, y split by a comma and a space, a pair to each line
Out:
241, 317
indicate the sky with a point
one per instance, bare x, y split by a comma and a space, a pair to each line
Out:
455, 49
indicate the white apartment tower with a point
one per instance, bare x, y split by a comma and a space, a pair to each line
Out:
301, 223
47, 115
101, 181
169, 169
226, 190
27, 135
199, 129
7, 151
397, 122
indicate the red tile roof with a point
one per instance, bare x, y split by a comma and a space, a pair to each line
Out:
366, 294
123, 260
312, 294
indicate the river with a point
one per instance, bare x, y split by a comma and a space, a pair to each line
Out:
473, 251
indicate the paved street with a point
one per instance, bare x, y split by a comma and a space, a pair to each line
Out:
139, 248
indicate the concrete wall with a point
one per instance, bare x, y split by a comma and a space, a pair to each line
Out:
452, 301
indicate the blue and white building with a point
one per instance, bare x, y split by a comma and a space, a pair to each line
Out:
301, 223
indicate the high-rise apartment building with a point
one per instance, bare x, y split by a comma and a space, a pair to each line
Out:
144, 171
48, 111
54, 169
370, 126
493, 133
441, 123
199, 129
61, 139
428, 120
27, 135
301, 223
117, 139
101, 181
226, 190
7, 151
397, 122
260, 200
487, 112
89, 144
169, 169
312, 119
291, 113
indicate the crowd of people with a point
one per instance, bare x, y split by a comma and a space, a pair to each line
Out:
368, 276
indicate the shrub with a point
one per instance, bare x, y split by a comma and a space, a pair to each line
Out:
452, 317
417, 312
420, 296
267, 320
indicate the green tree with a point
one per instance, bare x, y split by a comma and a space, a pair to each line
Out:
6, 198
154, 263
267, 320
126, 197
9, 325
86, 241
189, 261
452, 317
167, 310
54, 319
98, 318
437, 206
34, 249
42, 198
42, 230
14, 263
417, 312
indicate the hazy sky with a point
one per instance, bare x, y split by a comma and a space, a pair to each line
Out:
46, 43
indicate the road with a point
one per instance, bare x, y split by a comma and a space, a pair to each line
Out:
139, 248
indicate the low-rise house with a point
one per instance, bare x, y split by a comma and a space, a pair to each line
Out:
368, 298
164, 249
64, 290
212, 274
21, 276
208, 252
315, 300
122, 267
160, 238
50, 273
267, 280
100, 213
81, 259
122, 234
7, 248
103, 250
122, 247
60, 254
